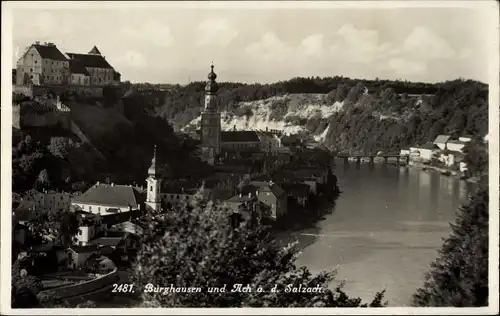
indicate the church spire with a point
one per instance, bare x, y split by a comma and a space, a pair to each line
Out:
152, 170
211, 87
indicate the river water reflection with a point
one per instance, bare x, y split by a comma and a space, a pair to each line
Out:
385, 230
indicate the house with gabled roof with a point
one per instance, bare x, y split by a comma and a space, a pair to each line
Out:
441, 141
42, 63
424, 152
109, 199
78, 255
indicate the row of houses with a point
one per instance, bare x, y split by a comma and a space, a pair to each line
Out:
444, 148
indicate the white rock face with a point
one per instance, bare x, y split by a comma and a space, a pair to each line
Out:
299, 105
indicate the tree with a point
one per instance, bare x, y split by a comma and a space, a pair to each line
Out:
60, 147
476, 157
459, 277
59, 226
24, 288
200, 248
42, 182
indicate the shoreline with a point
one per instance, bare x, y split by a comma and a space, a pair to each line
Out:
452, 173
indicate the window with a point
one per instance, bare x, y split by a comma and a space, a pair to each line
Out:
36, 61
31, 69
151, 189
53, 77
90, 208
31, 76
79, 232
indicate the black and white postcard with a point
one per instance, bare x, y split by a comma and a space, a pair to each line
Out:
250, 157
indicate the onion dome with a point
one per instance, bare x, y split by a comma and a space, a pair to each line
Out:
212, 85
152, 170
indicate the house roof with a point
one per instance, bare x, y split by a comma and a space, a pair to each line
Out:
442, 139
428, 146
76, 67
84, 249
239, 136
106, 241
267, 187
111, 195
50, 52
454, 141
113, 219
92, 61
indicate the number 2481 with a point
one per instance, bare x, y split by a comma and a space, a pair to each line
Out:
123, 288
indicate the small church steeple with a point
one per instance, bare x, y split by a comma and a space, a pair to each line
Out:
153, 196
152, 171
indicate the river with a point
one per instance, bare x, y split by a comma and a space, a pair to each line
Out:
385, 229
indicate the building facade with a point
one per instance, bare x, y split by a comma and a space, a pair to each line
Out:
108, 199
45, 64
42, 64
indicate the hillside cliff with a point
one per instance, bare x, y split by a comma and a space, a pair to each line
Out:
365, 116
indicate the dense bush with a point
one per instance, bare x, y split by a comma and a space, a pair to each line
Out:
459, 277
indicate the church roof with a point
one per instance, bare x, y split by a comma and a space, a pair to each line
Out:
93, 61
239, 136
111, 195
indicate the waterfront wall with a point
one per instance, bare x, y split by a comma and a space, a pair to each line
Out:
79, 289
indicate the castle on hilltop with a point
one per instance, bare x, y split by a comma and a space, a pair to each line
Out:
45, 64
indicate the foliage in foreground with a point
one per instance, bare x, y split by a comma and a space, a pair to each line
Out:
459, 277
197, 246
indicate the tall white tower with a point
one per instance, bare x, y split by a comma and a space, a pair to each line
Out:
153, 198
210, 120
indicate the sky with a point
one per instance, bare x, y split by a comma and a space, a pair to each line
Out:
177, 44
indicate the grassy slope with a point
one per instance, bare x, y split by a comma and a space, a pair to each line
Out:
95, 121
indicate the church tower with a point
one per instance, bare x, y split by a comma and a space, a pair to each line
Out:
210, 121
153, 198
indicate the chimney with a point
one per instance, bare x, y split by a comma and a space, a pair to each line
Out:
241, 195
97, 183
266, 129
37, 43
249, 194
112, 184
234, 127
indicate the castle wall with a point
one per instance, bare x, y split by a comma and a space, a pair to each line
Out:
16, 116
26, 90
50, 118
82, 90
